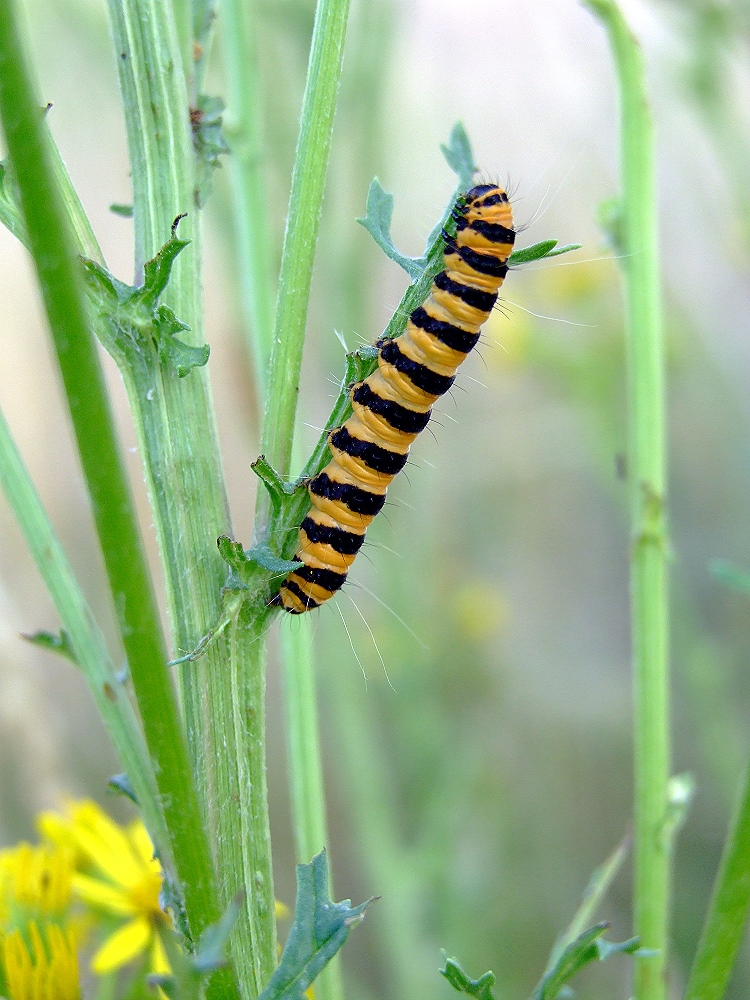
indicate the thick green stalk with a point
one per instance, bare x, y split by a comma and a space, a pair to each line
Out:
223, 691
244, 130
298, 254
51, 246
646, 471
723, 931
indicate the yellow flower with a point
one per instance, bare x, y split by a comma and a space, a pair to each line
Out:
118, 875
35, 883
39, 973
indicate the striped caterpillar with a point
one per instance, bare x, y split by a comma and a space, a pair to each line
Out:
393, 405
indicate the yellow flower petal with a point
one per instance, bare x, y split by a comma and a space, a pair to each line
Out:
52, 826
98, 840
142, 845
105, 844
102, 896
63, 963
159, 964
37, 878
121, 947
52, 972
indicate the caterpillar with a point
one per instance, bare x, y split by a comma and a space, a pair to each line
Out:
393, 405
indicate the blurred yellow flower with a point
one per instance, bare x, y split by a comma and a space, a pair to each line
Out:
479, 609
35, 897
116, 874
36, 972
35, 883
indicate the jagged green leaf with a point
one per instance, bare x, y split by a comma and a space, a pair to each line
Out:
232, 553
55, 642
319, 930
131, 323
178, 355
279, 490
460, 156
480, 988
209, 142
377, 222
731, 574
587, 947
156, 271
120, 783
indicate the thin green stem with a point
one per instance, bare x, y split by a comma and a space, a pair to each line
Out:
298, 254
305, 764
51, 246
244, 131
11, 215
85, 637
723, 931
646, 469
306, 768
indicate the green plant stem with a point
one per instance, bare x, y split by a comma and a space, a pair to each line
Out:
52, 249
244, 131
298, 254
723, 930
646, 471
223, 692
306, 768
83, 235
85, 637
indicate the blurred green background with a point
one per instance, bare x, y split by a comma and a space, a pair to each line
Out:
477, 784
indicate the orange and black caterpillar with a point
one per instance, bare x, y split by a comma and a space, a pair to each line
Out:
392, 406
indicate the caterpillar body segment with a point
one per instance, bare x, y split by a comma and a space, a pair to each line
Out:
392, 406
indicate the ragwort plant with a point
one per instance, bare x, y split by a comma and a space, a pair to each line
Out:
198, 773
